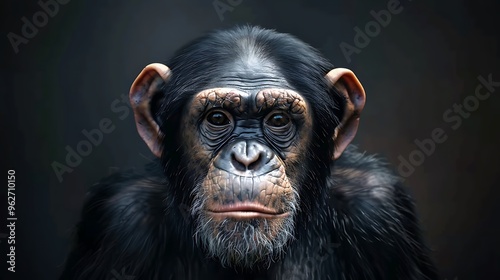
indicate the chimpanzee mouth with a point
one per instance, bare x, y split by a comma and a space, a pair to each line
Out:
247, 210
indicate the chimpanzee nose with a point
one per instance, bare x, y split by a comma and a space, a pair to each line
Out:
248, 156
244, 156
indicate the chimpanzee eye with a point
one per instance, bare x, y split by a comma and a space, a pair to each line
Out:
278, 120
218, 118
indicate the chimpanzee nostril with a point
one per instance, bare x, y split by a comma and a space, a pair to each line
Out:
237, 164
257, 163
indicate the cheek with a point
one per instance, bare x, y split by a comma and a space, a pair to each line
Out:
297, 157
195, 154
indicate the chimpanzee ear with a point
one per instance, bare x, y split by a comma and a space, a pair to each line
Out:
145, 86
349, 86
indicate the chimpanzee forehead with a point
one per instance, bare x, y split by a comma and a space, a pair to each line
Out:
250, 72
249, 84
244, 102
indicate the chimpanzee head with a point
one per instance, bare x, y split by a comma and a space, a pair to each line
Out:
247, 122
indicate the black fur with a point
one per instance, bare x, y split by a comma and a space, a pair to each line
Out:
356, 220
361, 229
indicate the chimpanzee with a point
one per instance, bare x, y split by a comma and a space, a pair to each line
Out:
255, 177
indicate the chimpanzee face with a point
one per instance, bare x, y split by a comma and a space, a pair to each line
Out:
247, 145
246, 137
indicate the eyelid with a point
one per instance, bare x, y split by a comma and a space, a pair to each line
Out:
278, 112
228, 116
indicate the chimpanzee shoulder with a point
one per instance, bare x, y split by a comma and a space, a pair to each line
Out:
375, 220
358, 173
122, 221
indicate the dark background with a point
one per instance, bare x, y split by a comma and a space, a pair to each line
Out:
425, 60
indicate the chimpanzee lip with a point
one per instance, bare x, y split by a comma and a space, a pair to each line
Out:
245, 210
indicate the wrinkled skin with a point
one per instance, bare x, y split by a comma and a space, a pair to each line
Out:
244, 169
